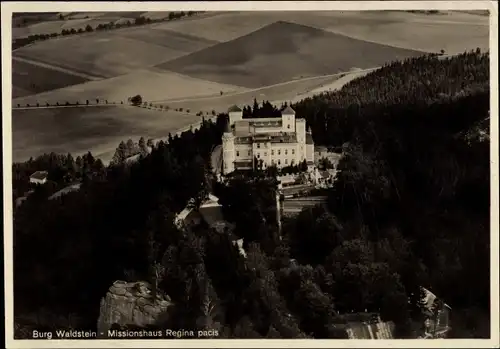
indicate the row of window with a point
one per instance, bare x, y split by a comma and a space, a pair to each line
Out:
265, 153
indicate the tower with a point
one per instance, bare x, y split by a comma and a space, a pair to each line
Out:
227, 150
288, 119
235, 114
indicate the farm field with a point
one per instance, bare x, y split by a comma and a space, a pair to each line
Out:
30, 79
454, 31
100, 53
52, 23
98, 129
281, 92
184, 43
280, 52
150, 84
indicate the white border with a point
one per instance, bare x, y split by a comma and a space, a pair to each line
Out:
8, 8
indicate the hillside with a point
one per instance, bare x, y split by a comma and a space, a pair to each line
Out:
276, 52
410, 208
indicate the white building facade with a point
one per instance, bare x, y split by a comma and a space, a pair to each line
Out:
276, 142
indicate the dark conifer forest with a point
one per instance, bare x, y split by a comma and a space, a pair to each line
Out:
409, 208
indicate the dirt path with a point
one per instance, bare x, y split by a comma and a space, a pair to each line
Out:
52, 67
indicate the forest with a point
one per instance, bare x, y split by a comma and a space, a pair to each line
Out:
409, 208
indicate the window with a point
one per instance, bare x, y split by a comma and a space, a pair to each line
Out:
237, 153
286, 161
279, 162
249, 153
258, 145
258, 156
293, 151
286, 151
272, 152
279, 152
265, 153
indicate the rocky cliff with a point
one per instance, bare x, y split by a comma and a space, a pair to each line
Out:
130, 304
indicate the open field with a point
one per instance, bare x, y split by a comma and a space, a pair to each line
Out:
101, 53
150, 84
280, 92
28, 79
99, 129
281, 52
184, 43
52, 23
454, 31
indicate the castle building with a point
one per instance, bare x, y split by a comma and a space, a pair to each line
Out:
265, 142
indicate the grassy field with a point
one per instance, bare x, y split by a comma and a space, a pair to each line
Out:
150, 84
281, 52
98, 129
29, 79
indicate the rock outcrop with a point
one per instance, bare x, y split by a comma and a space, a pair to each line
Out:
130, 304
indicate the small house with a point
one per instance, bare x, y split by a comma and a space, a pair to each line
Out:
39, 177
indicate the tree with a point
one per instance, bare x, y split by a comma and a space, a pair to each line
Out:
121, 154
142, 146
136, 100
88, 28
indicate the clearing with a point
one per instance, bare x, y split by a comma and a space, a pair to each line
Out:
282, 52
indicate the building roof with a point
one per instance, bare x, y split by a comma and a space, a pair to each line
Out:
234, 108
288, 111
39, 175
